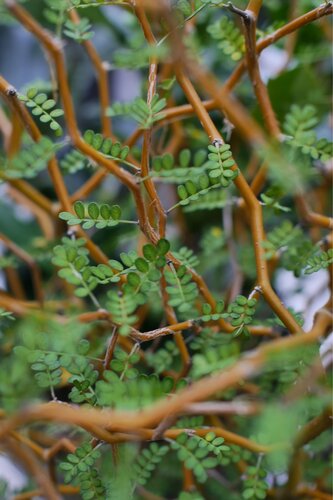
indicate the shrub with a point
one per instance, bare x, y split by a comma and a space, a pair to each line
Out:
144, 350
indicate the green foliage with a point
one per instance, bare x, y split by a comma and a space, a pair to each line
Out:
293, 246
82, 460
166, 168
208, 340
79, 467
235, 454
5, 17
144, 272
142, 275
215, 444
210, 315
214, 358
44, 108
192, 191
83, 382
212, 248
193, 495
6, 314
47, 368
296, 255
73, 162
281, 236
187, 257
78, 31
255, 486
106, 146
320, 261
187, 8
221, 163
181, 289
214, 173
91, 486
92, 214
48, 353
289, 170
3, 488
139, 54
31, 160
211, 200
145, 115
122, 306
72, 258
271, 199
190, 422
55, 13
8, 261
195, 451
230, 38
291, 165
134, 393
297, 316
163, 359
147, 462
241, 313
125, 356
299, 125
284, 369
123, 362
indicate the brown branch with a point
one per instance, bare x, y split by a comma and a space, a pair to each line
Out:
249, 21
112, 342
249, 365
10, 92
101, 69
294, 25
34, 468
308, 432
54, 50
66, 489
147, 134
254, 207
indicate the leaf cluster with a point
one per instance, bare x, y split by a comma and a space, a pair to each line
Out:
144, 114
79, 466
181, 289
147, 462
73, 260
30, 160
163, 359
106, 146
319, 261
74, 161
136, 393
255, 486
43, 108
230, 38
241, 313
195, 451
92, 214
167, 169
299, 124
79, 31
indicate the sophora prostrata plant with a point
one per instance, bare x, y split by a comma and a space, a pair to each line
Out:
163, 183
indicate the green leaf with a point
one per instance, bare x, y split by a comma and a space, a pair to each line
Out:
115, 212
79, 209
149, 252
141, 265
163, 247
